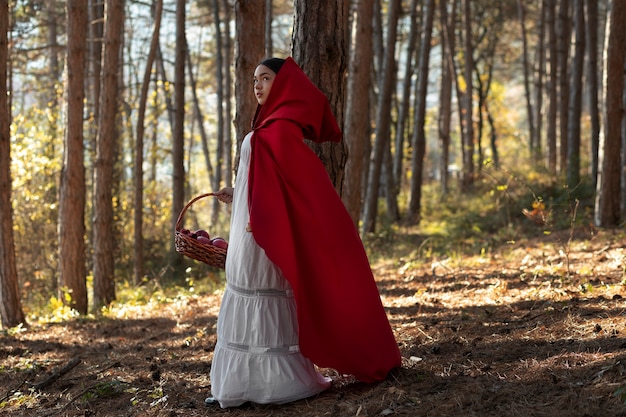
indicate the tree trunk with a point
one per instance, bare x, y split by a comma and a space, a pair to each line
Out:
467, 108
357, 122
552, 87
607, 207
178, 140
563, 50
593, 83
72, 257
139, 145
103, 234
540, 68
405, 100
445, 95
383, 120
575, 104
419, 134
269, 15
219, 77
249, 49
228, 132
11, 312
526, 70
320, 45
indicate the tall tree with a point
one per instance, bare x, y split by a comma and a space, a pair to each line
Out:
419, 134
405, 98
607, 204
576, 95
593, 83
526, 71
383, 120
219, 77
178, 140
357, 121
448, 72
539, 73
467, 107
563, 32
72, 256
103, 233
139, 144
11, 312
228, 131
552, 87
320, 45
249, 51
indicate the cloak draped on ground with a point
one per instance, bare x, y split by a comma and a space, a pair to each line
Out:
299, 220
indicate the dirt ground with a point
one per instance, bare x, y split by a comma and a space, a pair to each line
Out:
533, 329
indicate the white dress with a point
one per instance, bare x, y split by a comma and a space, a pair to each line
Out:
257, 357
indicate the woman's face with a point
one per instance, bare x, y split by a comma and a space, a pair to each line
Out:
263, 80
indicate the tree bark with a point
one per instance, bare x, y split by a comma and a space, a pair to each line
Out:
249, 51
575, 103
540, 68
219, 78
526, 70
419, 134
552, 88
383, 121
103, 230
607, 205
357, 122
178, 145
11, 312
467, 176
72, 257
564, 30
320, 45
593, 84
405, 99
139, 145
448, 72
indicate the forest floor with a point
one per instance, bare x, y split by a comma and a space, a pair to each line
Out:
536, 328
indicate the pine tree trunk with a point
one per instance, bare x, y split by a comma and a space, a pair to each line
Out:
467, 178
103, 230
139, 145
383, 121
607, 208
576, 94
249, 52
11, 312
320, 45
357, 123
72, 256
419, 133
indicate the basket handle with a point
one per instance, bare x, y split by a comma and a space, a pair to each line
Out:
184, 210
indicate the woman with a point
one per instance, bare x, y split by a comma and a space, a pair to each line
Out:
300, 291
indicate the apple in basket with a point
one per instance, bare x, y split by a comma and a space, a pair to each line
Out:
202, 232
219, 242
204, 240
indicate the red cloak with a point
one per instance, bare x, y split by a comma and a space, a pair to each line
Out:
299, 220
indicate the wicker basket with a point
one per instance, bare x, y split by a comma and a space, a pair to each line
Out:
188, 246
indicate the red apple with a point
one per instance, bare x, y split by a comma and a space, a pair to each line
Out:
185, 231
202, 232
204, 240
219, 242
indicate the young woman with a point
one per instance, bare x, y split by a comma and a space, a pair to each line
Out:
300, 292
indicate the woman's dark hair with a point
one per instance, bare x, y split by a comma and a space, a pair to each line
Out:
273, 63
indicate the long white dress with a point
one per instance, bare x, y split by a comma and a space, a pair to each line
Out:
257, 357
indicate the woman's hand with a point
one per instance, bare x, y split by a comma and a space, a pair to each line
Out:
225, 195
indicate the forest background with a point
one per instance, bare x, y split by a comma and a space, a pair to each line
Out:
117, 113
